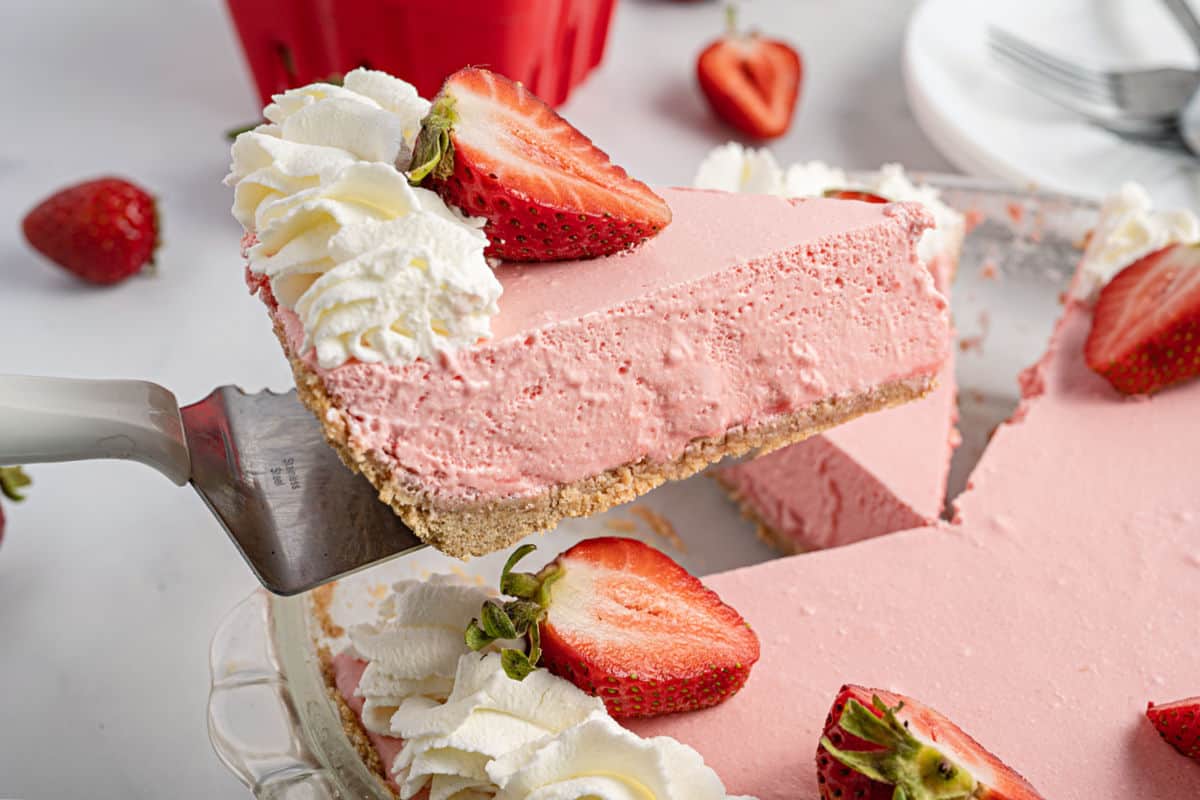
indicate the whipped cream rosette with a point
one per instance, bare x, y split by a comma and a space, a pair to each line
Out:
413, 648
600, 760
376, 270
448, 746
1129, 229
734, 168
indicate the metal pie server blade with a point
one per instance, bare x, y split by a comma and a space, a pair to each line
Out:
260, 462
299, 517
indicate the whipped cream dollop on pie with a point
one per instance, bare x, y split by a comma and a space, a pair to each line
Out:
1129, 229
413, 648
734, 168
467, 731
376, 270
599, 759
448, 746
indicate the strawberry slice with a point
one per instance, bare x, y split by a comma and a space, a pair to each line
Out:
625, 623
856, 194
1146, 326
751, 82
1179, 724
882, 746
495, 150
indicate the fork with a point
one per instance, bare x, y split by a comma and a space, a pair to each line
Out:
1139, 100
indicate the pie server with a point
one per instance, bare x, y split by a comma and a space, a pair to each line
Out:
298, 516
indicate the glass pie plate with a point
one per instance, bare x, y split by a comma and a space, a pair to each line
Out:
271, 719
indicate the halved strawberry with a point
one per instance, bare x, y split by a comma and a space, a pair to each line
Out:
1146, 325
883, 746
751, 82
495, 150
856, 194
625, 623
1179, 724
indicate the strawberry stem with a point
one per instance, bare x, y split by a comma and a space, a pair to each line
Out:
731, 20
918, 771
516, 619
433, 153
12, 481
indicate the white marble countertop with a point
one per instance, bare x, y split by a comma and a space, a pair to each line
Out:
111, 579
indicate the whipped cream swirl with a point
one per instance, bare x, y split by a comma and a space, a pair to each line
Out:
1130, 228
377, 270
600, 760
734, 168
448, 746
314, 131
414, 648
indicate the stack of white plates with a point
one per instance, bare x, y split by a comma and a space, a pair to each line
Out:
988, 125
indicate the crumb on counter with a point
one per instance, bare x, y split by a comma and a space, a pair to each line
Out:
621, 525
974, 343
659, 526
973, 218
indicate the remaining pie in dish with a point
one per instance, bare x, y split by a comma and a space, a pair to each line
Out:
1061, 599
486, 404
879, 474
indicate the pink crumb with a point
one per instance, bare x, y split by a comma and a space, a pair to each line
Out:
975, 343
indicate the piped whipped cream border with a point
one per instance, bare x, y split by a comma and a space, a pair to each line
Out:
470, 731
734, 168
376, 270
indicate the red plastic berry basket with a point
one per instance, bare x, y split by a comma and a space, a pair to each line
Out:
549, 45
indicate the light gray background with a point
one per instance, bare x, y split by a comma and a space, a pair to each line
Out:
112, 580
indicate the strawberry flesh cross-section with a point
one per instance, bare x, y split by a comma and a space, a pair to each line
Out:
495, 150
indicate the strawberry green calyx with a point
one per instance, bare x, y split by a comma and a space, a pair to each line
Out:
12, 481
516, 619
731, 20
433, 153
918, 771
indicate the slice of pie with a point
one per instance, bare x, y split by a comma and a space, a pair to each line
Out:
488, 401
750, 322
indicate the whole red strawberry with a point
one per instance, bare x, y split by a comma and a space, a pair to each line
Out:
12, 481
1145, 332
1179, 724
750, 81
495, 150
102, 230
625, 623
883, 746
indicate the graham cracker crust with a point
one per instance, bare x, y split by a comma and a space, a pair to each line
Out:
477, 529
351, 724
